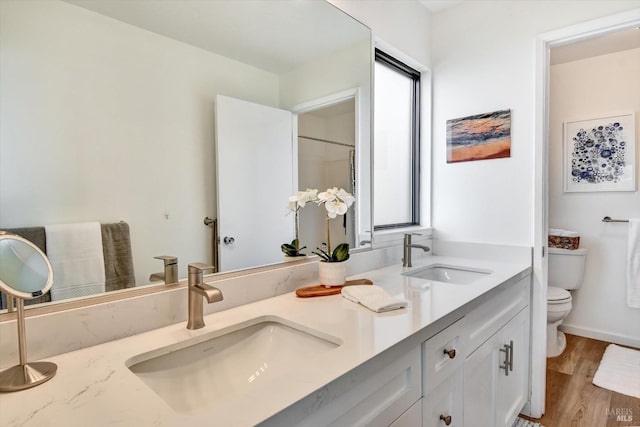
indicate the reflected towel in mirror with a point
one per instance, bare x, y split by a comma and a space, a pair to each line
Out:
75, 252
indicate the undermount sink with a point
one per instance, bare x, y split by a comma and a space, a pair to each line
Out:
210, 370
449, 274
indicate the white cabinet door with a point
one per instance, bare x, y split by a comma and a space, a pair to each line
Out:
254, 181
513, 388
480, 384
496, 375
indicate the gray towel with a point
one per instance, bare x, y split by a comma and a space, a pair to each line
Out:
118, 260
35, 235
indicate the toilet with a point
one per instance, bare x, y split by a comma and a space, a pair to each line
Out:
566, 272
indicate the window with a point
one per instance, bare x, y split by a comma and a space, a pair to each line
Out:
396, 144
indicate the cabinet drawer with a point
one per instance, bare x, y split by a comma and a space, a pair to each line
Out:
443, 354
443, 406
486, 319
411, 418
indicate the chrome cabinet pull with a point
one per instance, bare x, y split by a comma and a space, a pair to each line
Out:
447, 419
505, 364
511, 355
451, 353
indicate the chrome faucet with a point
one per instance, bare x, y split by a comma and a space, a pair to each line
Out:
170, 274
407, 245
198, 290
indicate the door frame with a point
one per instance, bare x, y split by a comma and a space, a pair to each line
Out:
544, 42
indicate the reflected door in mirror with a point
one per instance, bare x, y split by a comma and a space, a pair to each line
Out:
255, 179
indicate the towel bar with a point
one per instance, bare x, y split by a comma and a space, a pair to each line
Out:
608, 219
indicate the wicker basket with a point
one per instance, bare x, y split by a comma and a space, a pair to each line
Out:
563, 242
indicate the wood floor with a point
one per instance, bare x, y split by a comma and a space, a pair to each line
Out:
573, 401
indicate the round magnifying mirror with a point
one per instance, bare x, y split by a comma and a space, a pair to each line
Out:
25, 271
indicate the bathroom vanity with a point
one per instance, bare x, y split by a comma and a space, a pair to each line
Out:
458, 352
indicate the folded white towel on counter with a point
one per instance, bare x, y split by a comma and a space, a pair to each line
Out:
76, 255
373, 297
633, 264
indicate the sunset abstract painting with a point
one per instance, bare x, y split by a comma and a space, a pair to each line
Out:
479, 137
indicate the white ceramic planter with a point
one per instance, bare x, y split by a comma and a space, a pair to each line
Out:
332, 273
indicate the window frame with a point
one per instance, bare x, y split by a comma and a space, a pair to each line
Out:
400, 67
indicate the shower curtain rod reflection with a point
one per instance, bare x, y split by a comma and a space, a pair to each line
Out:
327, 141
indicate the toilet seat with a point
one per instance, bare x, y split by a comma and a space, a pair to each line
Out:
557, 295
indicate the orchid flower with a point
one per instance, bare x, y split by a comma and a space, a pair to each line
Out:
336, 201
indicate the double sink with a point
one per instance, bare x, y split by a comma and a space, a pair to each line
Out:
209, 370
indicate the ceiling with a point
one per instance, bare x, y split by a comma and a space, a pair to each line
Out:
438, 5
258, 40
596, 46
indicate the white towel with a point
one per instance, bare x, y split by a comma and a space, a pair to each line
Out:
75, 252
373, 297
633, 264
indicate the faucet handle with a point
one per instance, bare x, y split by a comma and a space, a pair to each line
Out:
200, 267
168, 260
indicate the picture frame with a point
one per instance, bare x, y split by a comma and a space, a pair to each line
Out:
599, 154
479, 137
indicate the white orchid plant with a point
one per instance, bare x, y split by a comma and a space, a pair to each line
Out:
336, 202
297, 202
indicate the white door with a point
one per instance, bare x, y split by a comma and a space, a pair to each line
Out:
254, 159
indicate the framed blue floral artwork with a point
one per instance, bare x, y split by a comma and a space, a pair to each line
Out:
600, 154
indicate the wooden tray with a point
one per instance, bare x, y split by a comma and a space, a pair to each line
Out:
322, 291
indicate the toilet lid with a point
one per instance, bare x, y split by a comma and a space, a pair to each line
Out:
557, 294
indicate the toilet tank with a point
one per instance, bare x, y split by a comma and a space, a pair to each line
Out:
566, 268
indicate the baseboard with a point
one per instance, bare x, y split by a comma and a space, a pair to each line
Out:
601, 335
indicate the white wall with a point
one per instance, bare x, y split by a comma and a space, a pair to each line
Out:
103, 121
483, 59
596, 87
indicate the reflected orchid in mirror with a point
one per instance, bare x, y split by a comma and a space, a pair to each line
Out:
336, 202
297, 202
301, 198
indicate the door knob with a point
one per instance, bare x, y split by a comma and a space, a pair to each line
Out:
228, 240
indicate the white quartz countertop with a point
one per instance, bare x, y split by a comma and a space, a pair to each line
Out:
94, 387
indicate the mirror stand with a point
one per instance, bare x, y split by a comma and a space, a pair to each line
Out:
25, 375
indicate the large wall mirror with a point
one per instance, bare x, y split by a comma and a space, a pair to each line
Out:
108, 117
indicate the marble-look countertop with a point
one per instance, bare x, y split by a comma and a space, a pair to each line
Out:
93, 386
